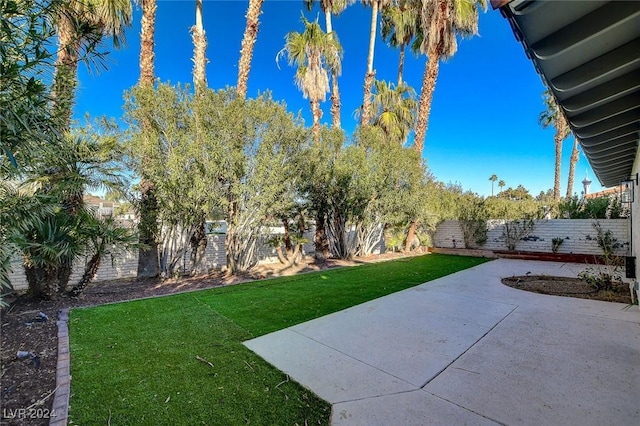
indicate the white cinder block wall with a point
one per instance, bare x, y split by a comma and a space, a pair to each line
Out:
126, 264
578, 234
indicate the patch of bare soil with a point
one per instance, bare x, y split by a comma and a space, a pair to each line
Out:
29, 329
570, 287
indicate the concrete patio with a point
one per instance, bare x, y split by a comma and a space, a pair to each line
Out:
466, 349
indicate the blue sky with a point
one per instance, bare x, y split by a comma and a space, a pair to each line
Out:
483, 117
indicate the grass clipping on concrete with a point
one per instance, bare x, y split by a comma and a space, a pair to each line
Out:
179, 359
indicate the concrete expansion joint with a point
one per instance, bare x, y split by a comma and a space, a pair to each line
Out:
365, 398
465, 408
469, 348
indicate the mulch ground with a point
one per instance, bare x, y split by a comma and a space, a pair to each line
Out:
27, 383
569, 287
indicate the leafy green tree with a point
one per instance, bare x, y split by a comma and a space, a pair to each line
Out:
242, 160
398, 183
472, 216
519, 193
263, 169
163, 149
592, 208
370, 185
26, 127
315, 183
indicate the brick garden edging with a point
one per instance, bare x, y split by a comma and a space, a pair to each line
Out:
60, 405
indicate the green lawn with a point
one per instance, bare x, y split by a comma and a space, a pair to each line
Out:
136, 363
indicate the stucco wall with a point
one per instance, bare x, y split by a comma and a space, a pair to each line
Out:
578, 234
635, 215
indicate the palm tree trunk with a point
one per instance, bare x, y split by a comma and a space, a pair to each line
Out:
248, 42
66, 70
556, 181
401, 64
199, 51
148, 259
147, 52
64, 273
335, 92
575, 154
426, 96
335, 101
317, 115
90, 272
369, 76
36, 280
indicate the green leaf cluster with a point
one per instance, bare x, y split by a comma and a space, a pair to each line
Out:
215, 155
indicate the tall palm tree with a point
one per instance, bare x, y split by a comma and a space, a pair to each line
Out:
394, 110
148, 260
441, 21
553, 116
198, 240
493, 178
573, 160
312, 52
330, 7
147, 43
370, 75
501, 184
199, 51
248, 42
80, 26
399, 26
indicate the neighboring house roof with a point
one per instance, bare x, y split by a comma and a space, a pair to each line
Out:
588, 54
607, 192
92, 200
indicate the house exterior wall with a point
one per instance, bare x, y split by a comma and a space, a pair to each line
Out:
635, 215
